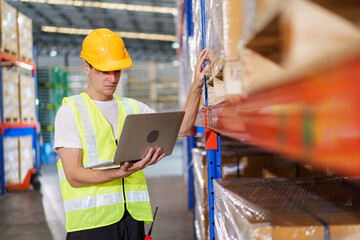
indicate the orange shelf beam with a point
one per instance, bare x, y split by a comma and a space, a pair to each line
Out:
314, 119
18, 125
19, 62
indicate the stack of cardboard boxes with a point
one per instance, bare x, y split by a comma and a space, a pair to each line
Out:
18, 86
19, 159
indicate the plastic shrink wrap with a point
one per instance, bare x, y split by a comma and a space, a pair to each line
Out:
287, 208
247, 162
214, 34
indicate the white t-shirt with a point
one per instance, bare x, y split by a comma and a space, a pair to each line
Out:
66, 133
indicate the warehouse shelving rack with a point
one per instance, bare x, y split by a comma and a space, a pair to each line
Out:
313, 118
18, 129
212, 138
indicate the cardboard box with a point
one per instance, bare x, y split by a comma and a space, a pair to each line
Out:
26, 157
27, 98
10, 81
11, 161
25, 37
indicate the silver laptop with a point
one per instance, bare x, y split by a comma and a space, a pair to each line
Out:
142, 131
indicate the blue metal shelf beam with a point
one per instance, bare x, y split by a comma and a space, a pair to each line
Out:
213, 153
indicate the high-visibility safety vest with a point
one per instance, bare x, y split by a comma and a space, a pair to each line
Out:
102, 204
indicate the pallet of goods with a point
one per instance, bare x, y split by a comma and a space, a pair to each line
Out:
25, 37
11, 161
26, 156
247, 162
9, 37
287, 208
27, 98
10, 83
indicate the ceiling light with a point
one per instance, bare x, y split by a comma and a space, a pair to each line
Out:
134, 35
53, 52
106, 5
175, 45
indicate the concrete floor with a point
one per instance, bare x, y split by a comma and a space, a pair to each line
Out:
39, 215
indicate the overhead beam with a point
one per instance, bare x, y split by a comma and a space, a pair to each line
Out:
105, 5
135, 35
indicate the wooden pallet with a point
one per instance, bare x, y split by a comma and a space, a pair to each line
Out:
28, 119
29, 60
10, 52
11, 120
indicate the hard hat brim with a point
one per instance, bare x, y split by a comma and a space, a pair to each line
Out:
113, 66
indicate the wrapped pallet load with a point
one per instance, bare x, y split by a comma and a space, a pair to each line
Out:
25, 37
8, 29
287, 208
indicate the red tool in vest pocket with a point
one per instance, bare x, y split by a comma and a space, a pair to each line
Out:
148, 237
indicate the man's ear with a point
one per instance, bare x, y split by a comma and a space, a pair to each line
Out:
86, 68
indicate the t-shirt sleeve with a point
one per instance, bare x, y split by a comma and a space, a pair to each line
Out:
66, 133
143, 108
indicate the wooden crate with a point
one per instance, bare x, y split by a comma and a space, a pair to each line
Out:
27, 98
10, 81
25, 37
9, 36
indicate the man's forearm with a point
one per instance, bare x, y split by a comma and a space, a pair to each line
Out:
191, 110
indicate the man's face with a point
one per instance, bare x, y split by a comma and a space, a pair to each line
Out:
102, 85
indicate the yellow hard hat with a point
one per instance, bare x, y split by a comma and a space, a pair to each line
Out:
105, 51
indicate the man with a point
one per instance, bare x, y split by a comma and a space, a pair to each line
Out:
111, 203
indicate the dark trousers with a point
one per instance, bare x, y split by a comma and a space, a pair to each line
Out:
126, 229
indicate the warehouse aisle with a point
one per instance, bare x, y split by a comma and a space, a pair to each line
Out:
39, 215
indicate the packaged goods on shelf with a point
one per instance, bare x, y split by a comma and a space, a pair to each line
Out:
287, 208
11, 161
283, 167
214, 35
10, 81
196, 45
201, 217
25, 37
233, 166
27, 98
9, 36
216, 91
26, 156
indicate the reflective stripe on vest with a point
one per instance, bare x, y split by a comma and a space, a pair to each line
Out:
105, 199
127, 104
93, 201
90, 138
137, 196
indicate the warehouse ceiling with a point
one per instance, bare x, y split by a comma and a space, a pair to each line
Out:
129, 17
